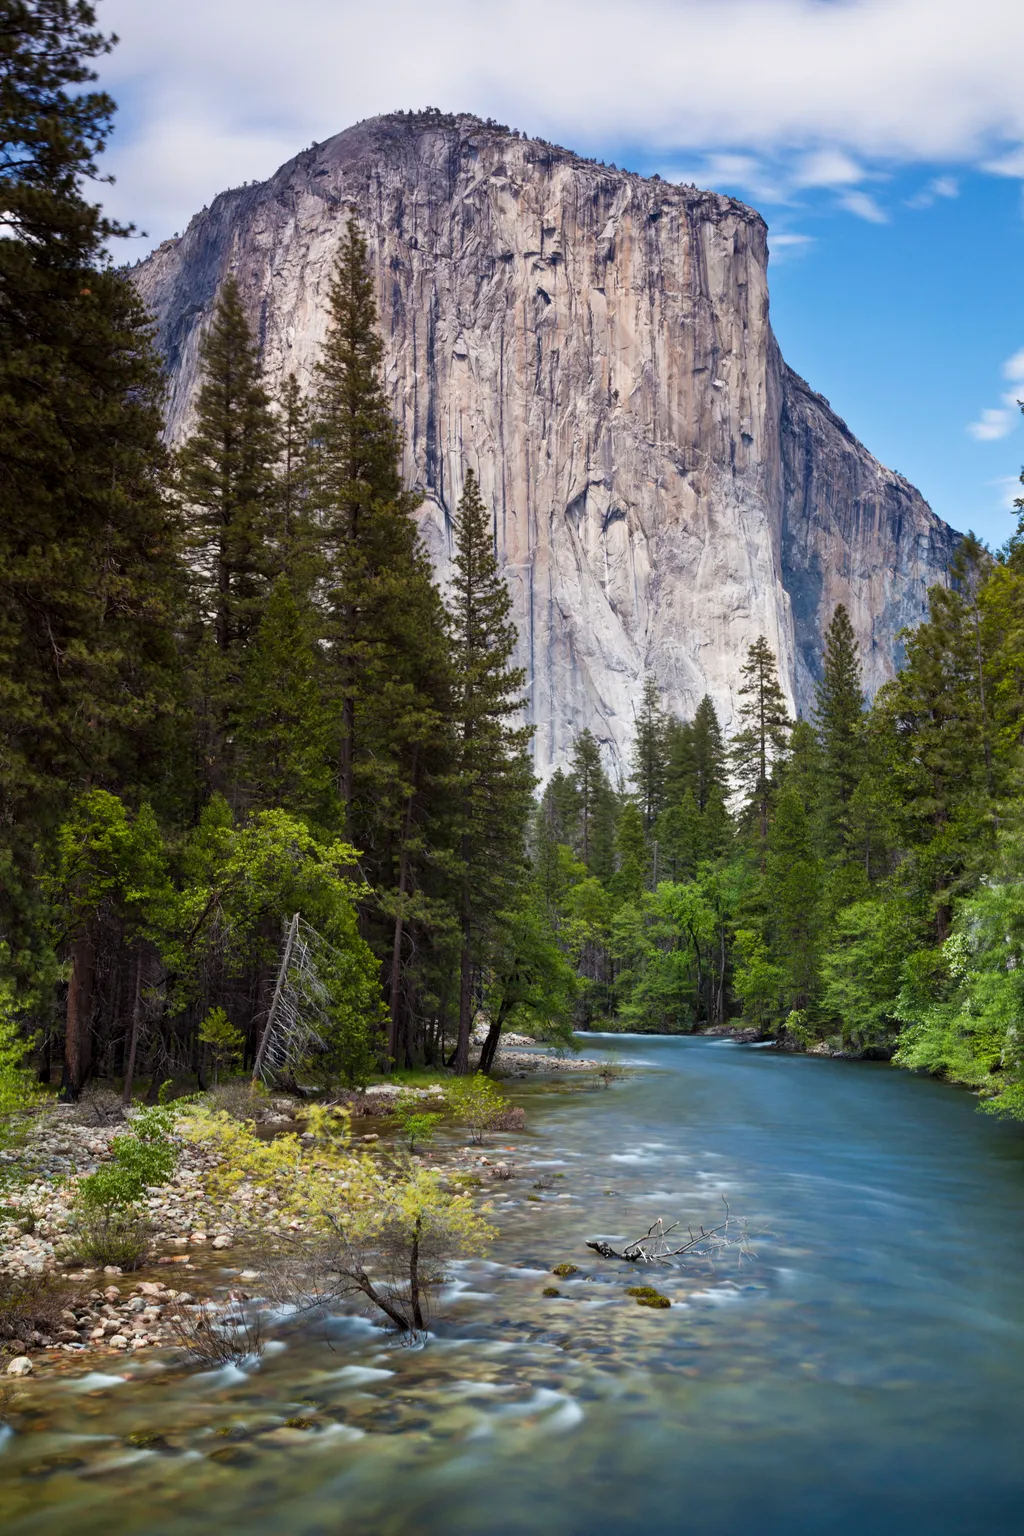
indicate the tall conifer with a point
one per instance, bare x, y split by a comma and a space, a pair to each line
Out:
764, 734
839, 717
87, 543
649, 758
226, 480
494, 775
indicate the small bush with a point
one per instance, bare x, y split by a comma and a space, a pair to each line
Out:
415, 1124
99, 1106
224, 1042
115, 1235
478, 1103
32, 1304
242, 1099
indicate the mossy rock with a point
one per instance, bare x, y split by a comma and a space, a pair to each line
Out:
563, 1271
230, 1456
536, 1198
143, 1440
299, 1423
647, 1296
551, 1290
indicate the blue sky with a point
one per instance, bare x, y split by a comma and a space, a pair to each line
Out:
882, 140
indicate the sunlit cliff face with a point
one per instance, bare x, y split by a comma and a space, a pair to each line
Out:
597, 347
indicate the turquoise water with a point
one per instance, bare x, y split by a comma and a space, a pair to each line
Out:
862, 1371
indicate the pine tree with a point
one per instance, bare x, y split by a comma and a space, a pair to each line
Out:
593, 808
649, 757
87, 544
792, 894
632, 857
935, 720
285, 731
494, 775
226, 481
762, 740
709, 755
377, 574
388, 670
839, 717
296, 537
680, 765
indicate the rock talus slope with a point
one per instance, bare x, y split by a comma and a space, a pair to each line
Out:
596, 345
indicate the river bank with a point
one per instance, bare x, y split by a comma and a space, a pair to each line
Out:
105, 1312
860, 1371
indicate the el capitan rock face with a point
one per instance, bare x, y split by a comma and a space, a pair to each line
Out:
597, 346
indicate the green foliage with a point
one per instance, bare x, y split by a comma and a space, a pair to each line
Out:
478, 1103
761, 741
16, 1087
224, 1042
650, 754
493, 775
144, 1158
415, 1124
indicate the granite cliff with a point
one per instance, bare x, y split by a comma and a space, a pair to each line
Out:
597, 346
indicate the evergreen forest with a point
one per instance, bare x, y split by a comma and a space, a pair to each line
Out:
232, 691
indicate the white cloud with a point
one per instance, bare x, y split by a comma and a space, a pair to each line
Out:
1000, 421
787, 246
992, 425
1010, 490
224, 91
864, 206
939, 186
1011, 164
827, 168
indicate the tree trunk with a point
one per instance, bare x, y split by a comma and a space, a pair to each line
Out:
129, 1073
414, 1276
348, 730
396, 946
465, 1006
78, 1039
490, 1045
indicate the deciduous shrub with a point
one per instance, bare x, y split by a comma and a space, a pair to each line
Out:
478, 1103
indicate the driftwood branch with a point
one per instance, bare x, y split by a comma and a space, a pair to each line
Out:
653, 1247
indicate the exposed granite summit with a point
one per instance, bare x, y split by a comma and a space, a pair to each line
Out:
597, 346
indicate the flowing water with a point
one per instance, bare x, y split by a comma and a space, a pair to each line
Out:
863, 1371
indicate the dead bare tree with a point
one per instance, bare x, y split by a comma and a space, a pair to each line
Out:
299, 1018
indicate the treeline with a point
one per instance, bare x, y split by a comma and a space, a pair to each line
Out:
230, 688
853, 882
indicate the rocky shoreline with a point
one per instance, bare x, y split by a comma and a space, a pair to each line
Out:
108, 1313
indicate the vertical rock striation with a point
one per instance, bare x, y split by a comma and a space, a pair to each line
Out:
596, 345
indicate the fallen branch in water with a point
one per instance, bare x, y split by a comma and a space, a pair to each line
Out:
653, 1247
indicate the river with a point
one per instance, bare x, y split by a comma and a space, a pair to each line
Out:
862, 1372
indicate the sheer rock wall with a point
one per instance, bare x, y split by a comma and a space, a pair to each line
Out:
597, 346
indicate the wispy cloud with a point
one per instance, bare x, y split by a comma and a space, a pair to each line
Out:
222, 92
999, 421
938, 187
991, 425
864, 206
